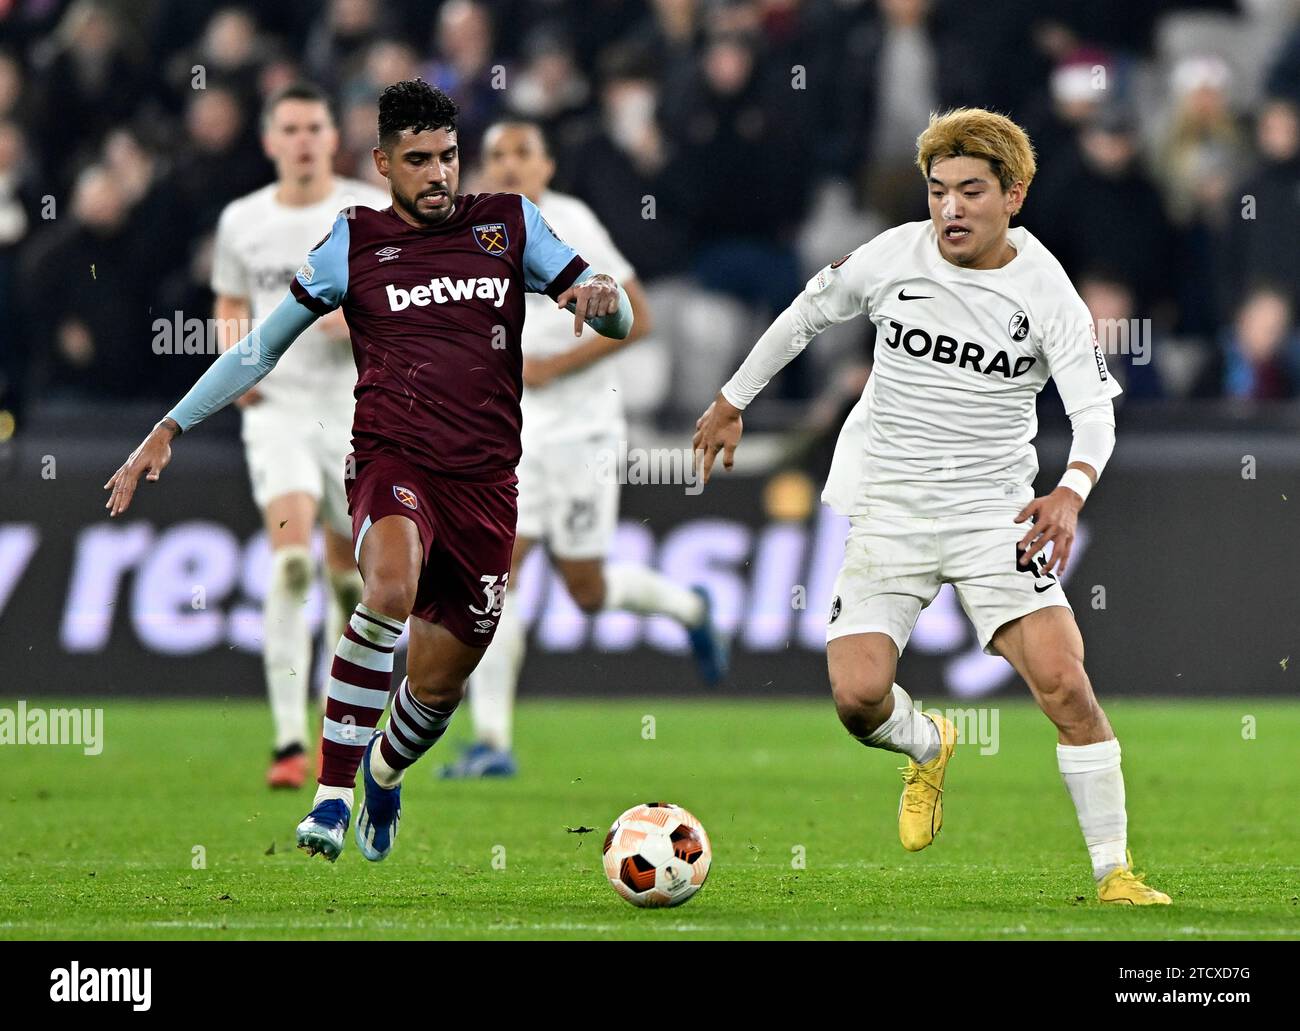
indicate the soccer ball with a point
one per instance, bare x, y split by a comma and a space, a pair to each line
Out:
657, 854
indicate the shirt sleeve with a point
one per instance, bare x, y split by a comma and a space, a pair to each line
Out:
835, 294
229, 273
243, 365
1075, 359
322, 282
550, 264
838, 292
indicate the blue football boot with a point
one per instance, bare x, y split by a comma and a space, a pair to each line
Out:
324, 829
707, 644
380, 812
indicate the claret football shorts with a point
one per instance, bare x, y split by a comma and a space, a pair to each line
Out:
467, 532
895, 564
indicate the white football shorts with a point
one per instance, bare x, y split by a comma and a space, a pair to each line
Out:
291, 449
894, 565
568, 495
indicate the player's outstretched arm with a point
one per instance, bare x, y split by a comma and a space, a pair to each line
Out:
720, 427
233, 373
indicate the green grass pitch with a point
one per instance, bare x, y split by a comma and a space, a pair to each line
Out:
105, 846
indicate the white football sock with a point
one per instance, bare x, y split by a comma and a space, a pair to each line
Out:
1093, 777
640, 589
286, 649
327, 791
492, 685
906, 731
385, 776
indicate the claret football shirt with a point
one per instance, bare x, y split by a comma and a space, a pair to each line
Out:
436, 315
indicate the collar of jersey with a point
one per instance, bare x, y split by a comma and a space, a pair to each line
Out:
455, 221
1021, 243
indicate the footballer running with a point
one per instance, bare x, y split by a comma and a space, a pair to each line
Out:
572, 413
935, 466
432, 288
297, 422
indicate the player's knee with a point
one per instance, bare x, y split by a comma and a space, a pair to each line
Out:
1064, 687
1062, 678
292, 570
393, 594
437, 689
859, 697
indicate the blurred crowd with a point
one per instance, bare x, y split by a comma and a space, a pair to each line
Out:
732, 147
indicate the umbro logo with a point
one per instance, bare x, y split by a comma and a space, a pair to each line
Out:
903, 295
388, 253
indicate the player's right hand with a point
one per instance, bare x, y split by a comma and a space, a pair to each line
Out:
149, 460
251, 396
718, 429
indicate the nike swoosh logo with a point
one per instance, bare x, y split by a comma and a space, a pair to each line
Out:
903, 295
1040, 590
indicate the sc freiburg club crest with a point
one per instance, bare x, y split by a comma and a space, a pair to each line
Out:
492, 237
406, 496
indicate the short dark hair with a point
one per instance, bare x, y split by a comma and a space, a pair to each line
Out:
414, 104
523, 122
294, 91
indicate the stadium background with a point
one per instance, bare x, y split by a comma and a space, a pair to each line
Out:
766, 138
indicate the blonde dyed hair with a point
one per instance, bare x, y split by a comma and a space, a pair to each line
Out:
976, 133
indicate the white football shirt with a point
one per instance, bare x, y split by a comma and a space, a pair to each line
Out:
947, 420
260, 246
586, 402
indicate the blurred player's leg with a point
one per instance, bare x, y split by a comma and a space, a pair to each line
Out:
581, 519
286, 652
1045, 648
633, 588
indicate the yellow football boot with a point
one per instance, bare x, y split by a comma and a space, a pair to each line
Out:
920, 809
1123, 885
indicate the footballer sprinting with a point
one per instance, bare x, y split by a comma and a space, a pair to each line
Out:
572, 413
935, 468
433, 291
297, 422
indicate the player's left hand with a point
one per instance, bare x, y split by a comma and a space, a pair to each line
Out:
590, 300
148, 460
1055, 519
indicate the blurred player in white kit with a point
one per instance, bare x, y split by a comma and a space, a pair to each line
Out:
297, 423
572, 414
